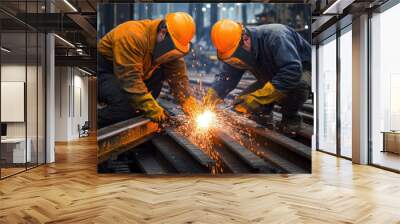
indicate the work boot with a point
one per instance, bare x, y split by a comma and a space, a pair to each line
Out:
290, 126
266, 119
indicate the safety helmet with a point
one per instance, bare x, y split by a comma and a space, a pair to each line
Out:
226, 35
181, 28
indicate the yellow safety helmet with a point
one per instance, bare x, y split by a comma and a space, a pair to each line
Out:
181, 28
226, 35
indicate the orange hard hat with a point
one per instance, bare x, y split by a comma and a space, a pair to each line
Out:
226, 35
181, 27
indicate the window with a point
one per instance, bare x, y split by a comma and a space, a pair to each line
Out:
346, 93
22, 77
327, 96
385, 88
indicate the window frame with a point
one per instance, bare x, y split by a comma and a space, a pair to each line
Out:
333, 37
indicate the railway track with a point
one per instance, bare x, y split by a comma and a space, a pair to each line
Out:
290, 155
250, 149
304, 136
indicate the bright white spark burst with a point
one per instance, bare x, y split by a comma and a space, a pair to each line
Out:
201, 126
205, 120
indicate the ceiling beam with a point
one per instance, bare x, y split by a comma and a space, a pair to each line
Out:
79, 61
337, 7
89, 30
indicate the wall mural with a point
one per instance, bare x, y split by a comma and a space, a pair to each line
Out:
204, 88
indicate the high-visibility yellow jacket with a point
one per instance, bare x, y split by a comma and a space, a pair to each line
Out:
130, 46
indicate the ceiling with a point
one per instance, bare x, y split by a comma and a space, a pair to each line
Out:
76, 21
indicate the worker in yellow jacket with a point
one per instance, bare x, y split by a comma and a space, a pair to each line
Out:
135, 58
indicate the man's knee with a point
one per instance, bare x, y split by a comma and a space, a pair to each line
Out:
300, 93
295, 99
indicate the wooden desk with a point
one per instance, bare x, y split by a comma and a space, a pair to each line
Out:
391, 141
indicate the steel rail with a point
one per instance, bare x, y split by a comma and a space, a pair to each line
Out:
257, 164
237, 158
169, 151
279, 144
120, 137
177, 155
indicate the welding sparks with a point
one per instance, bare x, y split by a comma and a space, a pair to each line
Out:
201, 126
205, 120
199, 129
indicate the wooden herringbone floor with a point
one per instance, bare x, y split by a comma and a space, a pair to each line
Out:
70, 191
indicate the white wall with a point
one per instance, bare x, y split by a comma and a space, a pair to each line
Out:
71, 102
80, 111
10, 73
61, 103
16, 73
33, 127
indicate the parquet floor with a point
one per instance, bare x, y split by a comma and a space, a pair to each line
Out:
10, 171
70, 191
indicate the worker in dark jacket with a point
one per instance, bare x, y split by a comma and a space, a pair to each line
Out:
135, 58
276, 55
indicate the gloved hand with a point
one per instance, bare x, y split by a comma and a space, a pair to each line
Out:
190, 106
150, 107
212, 99
262, 97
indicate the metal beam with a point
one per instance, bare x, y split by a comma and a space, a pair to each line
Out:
337, 7
272, 136
81, 61
86, 26
48, 22
120, 137
149, 163
177, 155
193, 150
322, 23
252, 160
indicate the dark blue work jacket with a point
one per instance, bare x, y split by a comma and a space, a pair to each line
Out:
280, 53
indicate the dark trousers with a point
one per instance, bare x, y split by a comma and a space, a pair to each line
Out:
291, 104
109, 92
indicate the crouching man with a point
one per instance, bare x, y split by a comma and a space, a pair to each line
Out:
134, 60
277, 56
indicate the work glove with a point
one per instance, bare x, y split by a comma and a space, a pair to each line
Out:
212, 99
150, 107
190, 106
254, 101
